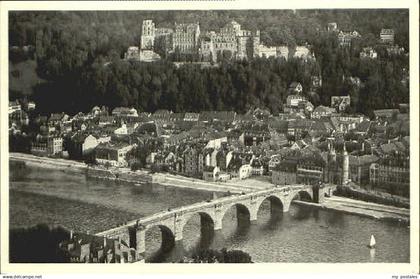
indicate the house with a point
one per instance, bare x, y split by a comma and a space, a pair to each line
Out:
210, 116
124, 111
57, 119
31, 105
191, 116
363, 128
340, 103
106, 120
19, 117
14, 106
310, 167
81, 145
223, 158
387, 36
253, 135
332, 27
306, 107
345, 123
385, 113
132, 53
87, 248
193, 160
257, 167
297, 127
113, 153
316, 82
345, 37
211, 173
284, 173
303, 52
273, 162
292, 102
394, 50
241, 171
392, 174
322, 111
240, 165
51, 145
368, 52
299, 144
162, 114
295, 88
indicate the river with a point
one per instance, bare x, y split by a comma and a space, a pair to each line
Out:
304, 234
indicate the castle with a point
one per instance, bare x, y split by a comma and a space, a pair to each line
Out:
187, 40
231, 41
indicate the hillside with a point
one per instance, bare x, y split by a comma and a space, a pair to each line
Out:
22, 78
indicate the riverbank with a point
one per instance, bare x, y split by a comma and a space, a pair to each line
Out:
141, 176
364, 209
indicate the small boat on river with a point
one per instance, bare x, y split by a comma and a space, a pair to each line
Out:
372, 243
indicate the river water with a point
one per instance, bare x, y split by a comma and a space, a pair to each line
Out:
304, 234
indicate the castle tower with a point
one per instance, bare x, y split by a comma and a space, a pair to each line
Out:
147, 34
256, 44
345, 178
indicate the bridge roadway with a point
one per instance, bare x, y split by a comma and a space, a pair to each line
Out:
172, 221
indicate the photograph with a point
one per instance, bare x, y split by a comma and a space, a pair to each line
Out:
209, 136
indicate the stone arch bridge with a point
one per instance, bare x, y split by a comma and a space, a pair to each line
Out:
172, 221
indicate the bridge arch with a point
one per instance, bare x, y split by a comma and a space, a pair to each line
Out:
167, 237
304, 195
243, 212
207, 224
276, 205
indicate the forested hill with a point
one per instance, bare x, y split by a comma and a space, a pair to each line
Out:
116, 29
73, 51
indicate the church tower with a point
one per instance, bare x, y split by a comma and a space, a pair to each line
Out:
332, 164
345, 178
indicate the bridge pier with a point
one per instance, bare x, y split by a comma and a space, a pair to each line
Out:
253, 215
141, 244
286, 206
218, 224
179, 249
168, 240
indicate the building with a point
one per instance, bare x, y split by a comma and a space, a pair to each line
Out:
368, 52
387, 36
394, 50
14, 106
322, 111
284, 173
332, 27
264, 51
392, 174
295, 88
303, 52
211, 173
87, 248
163, 40
50, 145
123, 111
133, 53
147, 34
81, 145
345, 38
340, 103
274, 51
186, 38
231, 42
113, 154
